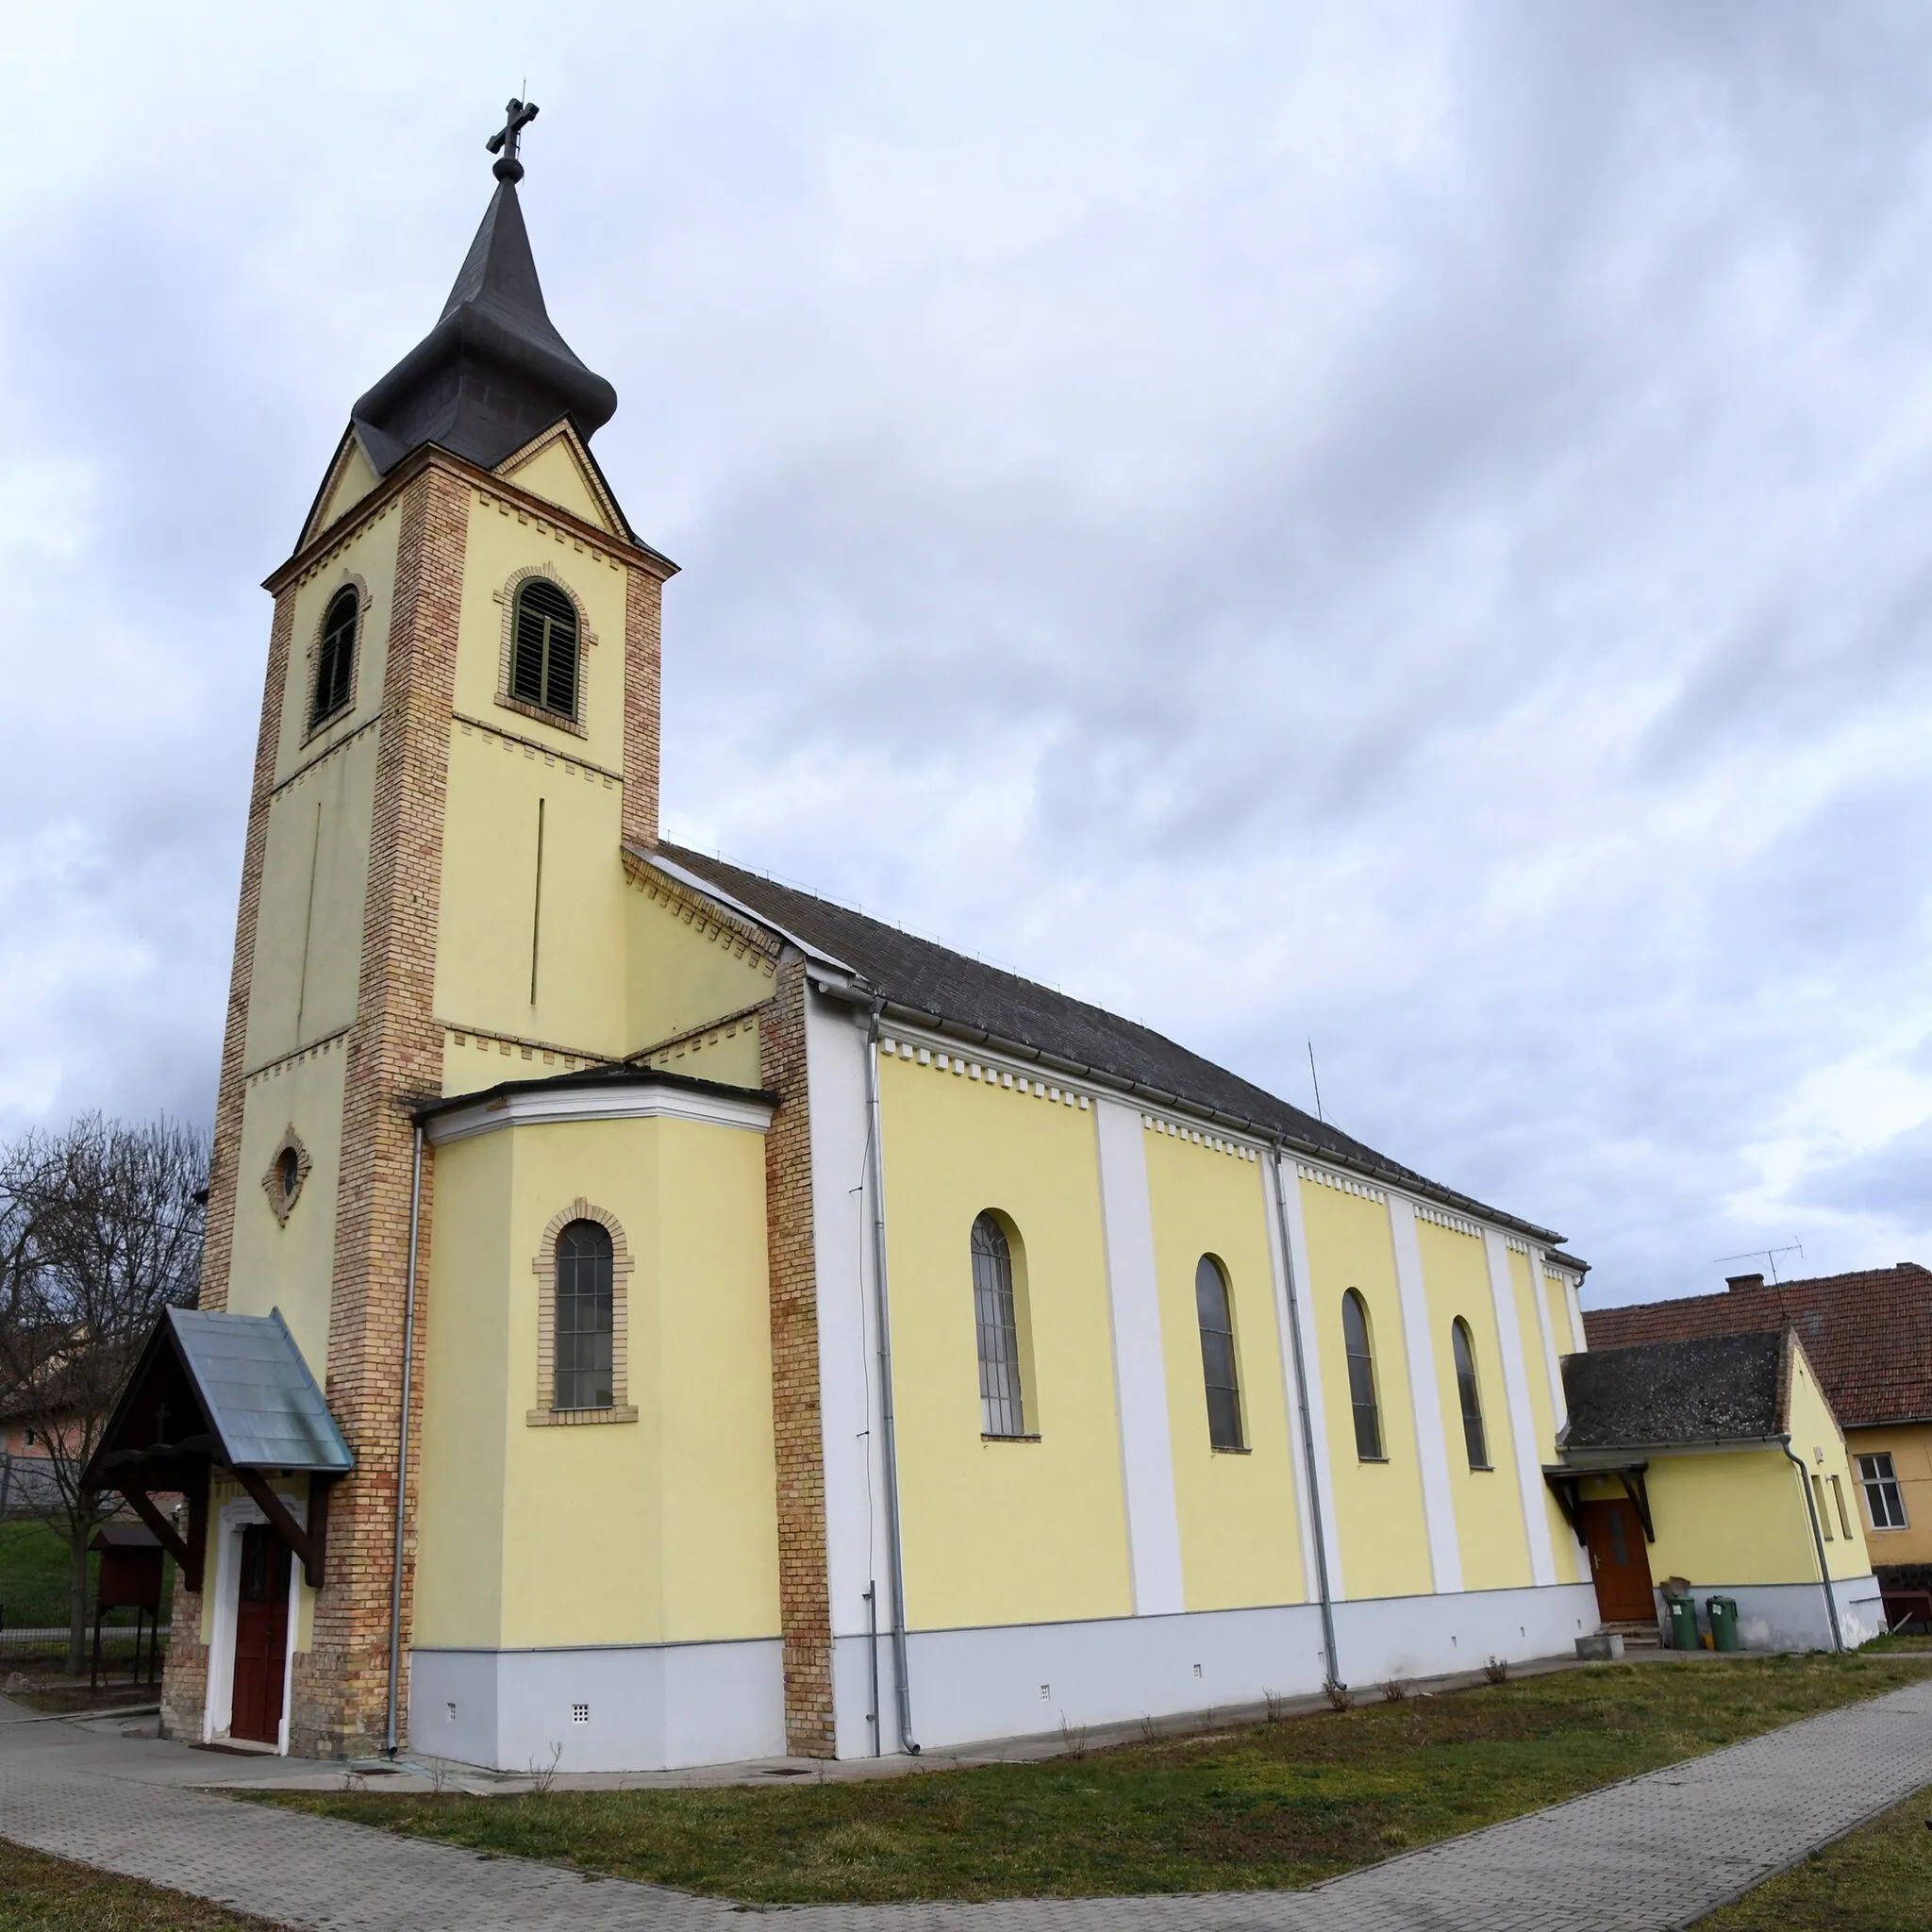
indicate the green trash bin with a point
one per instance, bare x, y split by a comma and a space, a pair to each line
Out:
1723, 1623
1682, 1611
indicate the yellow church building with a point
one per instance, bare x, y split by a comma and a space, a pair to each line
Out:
654, 1315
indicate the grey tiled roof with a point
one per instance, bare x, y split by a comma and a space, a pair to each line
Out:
969, 997
257, 1391
1724, 1387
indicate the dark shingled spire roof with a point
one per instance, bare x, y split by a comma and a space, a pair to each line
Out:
493, 371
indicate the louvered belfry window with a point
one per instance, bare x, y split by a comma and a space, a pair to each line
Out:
1217, 1354
545, 671
1002, 1406
585, 1310
335, 666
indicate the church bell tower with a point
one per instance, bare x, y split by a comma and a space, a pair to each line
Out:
459, 735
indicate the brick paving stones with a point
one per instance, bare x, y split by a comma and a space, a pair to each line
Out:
1655, 1853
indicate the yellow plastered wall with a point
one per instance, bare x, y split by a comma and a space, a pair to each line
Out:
468, 1407
491, 915
1489, 1507
1239, 1538
1007, 1532
1542, 1409
1570, 1338
556, 474
314, 882
1732, 1516
1378, 1506
503, 541
1815, 1437
684, 970
659, 1530
1909, 1445
290, 1264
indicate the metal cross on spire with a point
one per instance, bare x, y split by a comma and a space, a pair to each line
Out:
518, 115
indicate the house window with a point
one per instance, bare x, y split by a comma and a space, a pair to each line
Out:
1002, 1403
585, 1311
1838, 1502
1217, 1354
1474, 1439
335, 663
1883, 1501
1361, 1378
543, 669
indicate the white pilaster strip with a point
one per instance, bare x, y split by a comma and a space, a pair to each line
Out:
1529, 1474
1426, 1401
1553, 1367
1318, 1409
1573, 1302
1297, 1460
1154, 1529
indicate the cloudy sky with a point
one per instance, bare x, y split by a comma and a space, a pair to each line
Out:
1404, 526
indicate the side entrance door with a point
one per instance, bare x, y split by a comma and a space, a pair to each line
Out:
1619, 1562
261, 1636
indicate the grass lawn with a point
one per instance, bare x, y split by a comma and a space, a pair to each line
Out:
1278, 1805
1877, 1880
43, 1894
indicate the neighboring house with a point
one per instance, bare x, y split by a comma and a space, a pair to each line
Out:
1870, 1336
1716, 1461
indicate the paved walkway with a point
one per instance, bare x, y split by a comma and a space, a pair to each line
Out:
1648, 1856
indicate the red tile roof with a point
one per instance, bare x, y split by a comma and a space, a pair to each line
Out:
1867, 1335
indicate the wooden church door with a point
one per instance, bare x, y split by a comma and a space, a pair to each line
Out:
1619, 1562
261, 1636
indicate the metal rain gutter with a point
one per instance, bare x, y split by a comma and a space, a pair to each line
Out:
396, 1579
889, 1439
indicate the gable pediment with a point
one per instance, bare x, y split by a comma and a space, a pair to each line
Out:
557, 467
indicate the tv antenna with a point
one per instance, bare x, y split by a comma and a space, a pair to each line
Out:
1769, 1255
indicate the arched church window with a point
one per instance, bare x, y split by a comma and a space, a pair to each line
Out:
1474, 1439
1217, 1354
585, 1317
335, 663
1361, 1378
543, 671
1001, 1401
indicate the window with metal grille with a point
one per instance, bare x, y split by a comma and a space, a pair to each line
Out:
335, 664
1473, 1438
1883, 1500
1002, 1406
1217, 1354
584, 1310
1361, 1378
544, 668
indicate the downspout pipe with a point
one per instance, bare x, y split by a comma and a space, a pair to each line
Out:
395, 1578
889, 1439
1331, 1665
1797, 1463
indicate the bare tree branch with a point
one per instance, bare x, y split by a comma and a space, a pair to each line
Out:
100, 1230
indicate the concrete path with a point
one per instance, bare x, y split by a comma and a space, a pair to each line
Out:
1655, 1853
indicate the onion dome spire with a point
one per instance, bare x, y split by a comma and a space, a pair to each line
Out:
493, 371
